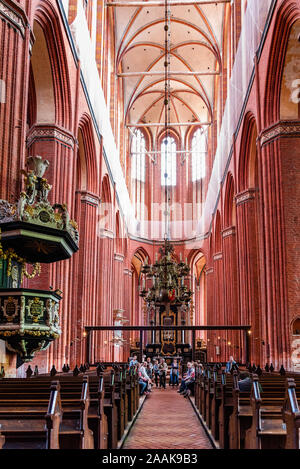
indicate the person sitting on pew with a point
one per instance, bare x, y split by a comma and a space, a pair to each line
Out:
163, 368
143, 380
174, 374
230, 365
156, 372
133, 362
149, 368
146, 375
245, 382
187, 381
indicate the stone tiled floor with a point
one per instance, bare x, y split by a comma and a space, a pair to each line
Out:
167, 421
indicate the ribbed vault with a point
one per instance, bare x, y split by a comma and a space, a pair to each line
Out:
196, 59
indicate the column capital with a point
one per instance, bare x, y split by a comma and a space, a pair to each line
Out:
128, 272
119, 257
104, 233
89, 198
50, 132
281, 129
14, 14
245, 196
218, 256
230, 231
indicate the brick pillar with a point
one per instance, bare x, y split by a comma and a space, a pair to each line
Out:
127, 301
57, 145
231, 308
219, 305
15, 44
106, 289
281, 198
118, 297
84, 276
211, 319
249, 272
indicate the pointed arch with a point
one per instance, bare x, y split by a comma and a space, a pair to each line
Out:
87, 153
217, 239
287, 14
247, 171
106, 204
229, 218
47, 19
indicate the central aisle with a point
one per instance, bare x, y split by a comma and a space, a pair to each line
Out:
167, 421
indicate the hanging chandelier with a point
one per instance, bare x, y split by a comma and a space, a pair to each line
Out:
169, 279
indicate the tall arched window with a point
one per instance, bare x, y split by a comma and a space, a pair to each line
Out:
199, 151
168, 162
138, 153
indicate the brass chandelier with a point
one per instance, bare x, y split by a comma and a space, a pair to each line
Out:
169, 279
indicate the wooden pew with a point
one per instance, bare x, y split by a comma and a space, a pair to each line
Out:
209, 391
291, 415
132, 389
97, 421
74, 397
225, 410
129, 390
267, 430
108, 424
198, 372
120, 400
110, 409
201, 391
30, 422
241, 418
215, 404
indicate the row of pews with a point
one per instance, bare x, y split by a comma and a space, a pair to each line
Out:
267, 417
90, 410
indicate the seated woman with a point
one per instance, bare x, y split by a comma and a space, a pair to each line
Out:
174, 373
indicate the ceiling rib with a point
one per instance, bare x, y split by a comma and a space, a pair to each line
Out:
137, 74
172, 124
162, 4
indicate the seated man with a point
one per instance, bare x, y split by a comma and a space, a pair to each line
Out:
188, 380
149, 368
163, 368
174, 373
143, 380
245, 382
133, 362
230, 365
156, 372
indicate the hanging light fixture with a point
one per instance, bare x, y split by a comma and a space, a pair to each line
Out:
169, 278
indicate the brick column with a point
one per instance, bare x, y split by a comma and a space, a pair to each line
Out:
231, 307
249, 272
57, 145
16, 42
210, 311
281, 198
106, 287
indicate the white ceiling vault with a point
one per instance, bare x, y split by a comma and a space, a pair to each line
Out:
196, 35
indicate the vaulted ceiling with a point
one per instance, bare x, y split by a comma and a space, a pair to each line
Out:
196, 35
